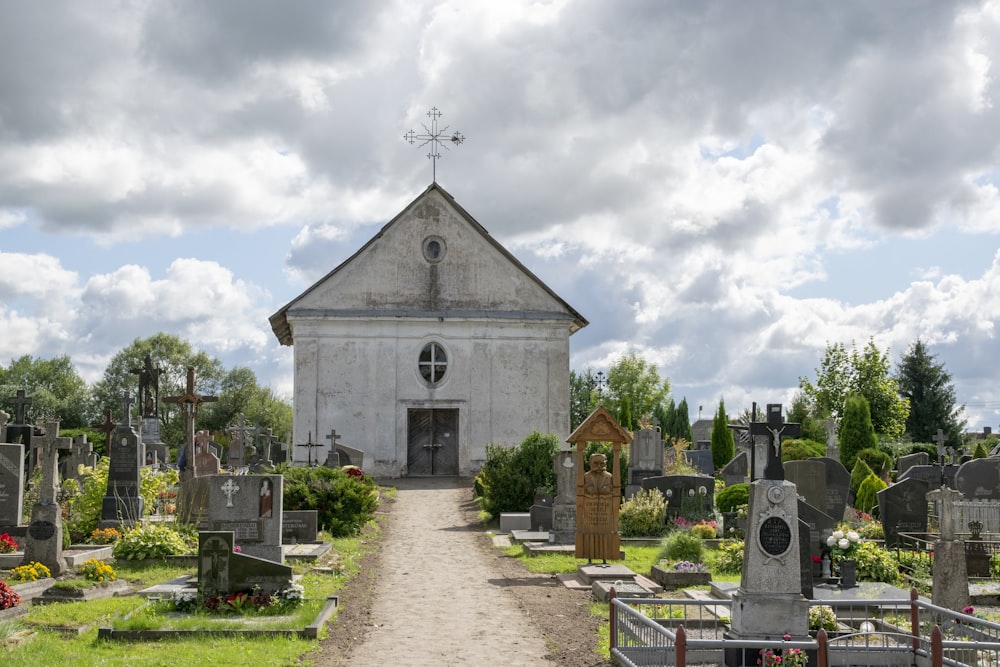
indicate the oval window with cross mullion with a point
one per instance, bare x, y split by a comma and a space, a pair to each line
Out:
433, 363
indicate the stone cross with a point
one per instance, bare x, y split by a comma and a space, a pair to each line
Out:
333, 439
190, 400
946, 522
311, 445
127, 402
237, 453
48, 458
774, 428
230, 488
20, 402
940, 439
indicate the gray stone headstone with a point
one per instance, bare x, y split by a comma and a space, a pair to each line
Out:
904, 463
809, 478
251, 507
222, 572
903, 509
81, 454
123, 503
838, 487
932, 475
11, 484
737, 471
298, 526
805, 560
541, 516
45, 532
350, 456
979, 479
700, 460
645, 456
564, 505
687, 496
821, 526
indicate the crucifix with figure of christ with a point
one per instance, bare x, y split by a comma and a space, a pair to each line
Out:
774, 428
190, 400
311, 445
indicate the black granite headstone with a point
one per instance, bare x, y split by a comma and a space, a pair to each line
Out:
903, 509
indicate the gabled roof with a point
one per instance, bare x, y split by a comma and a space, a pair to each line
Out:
600, 426
279, 320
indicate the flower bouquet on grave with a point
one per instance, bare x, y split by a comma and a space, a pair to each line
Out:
7, 544
789, 657
8, 596
843, 546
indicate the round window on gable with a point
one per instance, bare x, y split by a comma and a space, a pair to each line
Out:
433, 363
434, 249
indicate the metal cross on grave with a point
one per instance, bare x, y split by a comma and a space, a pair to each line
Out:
230, 488
190, 400
311, 445
107, 428
435, 137
774, 428
48, 446
20, 402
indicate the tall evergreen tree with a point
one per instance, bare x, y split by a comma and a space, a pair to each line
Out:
856, 430
928, 388
682, 422
723, 444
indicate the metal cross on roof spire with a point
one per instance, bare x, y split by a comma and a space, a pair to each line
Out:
436, 137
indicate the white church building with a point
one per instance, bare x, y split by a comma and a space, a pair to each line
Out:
427, 344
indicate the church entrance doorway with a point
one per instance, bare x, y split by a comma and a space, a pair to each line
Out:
432, 442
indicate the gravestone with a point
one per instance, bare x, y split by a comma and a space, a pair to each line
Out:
700, 460
298, 526
737, 471
45, 532
903, 509
645, 456
951, 582
189, 402
237, 442
250, 507
832, 451
11, 485
769, 602
821, 526
350, 456
81, 454
18, 431
979, 479
564, 505
775, 428
123, 503
809, 477
904, 463
806, 565
838, 487
687, 496
933, 475
4, 418
541, 513
206, 461
223, 572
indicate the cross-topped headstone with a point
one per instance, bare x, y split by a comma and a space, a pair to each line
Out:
940, 439
20, 402
311, 446
127, 402
774, 428
435, 137
190, 400
48, 446
947, 517
237, 444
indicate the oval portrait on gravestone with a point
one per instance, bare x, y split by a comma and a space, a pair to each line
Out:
775, 536
41, 530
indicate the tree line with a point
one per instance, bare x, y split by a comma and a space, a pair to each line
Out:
58, 392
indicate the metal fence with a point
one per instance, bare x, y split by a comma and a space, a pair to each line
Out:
650, 632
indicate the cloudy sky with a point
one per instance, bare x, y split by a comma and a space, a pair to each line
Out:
723, 187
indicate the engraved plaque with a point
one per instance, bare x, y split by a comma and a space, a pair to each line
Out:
775, 536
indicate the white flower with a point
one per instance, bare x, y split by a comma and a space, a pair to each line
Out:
853, 536
830, 541
837, 534
844, 543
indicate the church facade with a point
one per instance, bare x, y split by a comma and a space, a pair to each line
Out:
427, 344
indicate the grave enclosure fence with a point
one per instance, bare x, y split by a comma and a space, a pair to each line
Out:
649, 632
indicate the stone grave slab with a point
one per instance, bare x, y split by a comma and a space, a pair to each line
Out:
821, 526
645, 456
700, 460
809, 477
250, 507
564, 504
838, 487
624, 589
510, 521
737, 471
519, 536
223, 572
350, 456
904, 463
122, 504
299, 526
306, 550
11, 484
541, 516
903, 508
594, 572
687, 495
932, 475
979, 479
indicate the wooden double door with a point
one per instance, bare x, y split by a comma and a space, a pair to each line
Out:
432, 442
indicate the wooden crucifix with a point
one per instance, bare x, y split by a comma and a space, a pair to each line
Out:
190, 400
107, 428
774, 428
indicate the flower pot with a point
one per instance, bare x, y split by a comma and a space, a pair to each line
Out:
669, 578
848, 573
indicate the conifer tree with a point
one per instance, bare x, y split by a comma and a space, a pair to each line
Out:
856, 430
723, 444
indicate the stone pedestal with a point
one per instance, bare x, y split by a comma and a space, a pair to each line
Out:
44, 538
951, 583
564, 505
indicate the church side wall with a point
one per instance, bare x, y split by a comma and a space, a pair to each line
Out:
361, 377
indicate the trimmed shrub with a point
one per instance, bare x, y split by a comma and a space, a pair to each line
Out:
731, 497
867, 500
644, 514
510, 475
344, 502
681, 545
980, 452
800, 450
879, 461
859, 474
705, 530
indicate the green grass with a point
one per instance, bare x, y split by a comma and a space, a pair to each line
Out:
74, 584
150, 573
639, 559
79, 613
161, 616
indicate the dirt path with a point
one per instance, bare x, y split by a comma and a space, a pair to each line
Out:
438, 595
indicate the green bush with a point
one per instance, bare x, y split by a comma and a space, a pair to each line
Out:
877, 460
643, 514
876, 563
729, 557
980, 452
859, 474
732, 497
681, 545
153, 540
800, 450
510, 475
344, 502
867, 499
